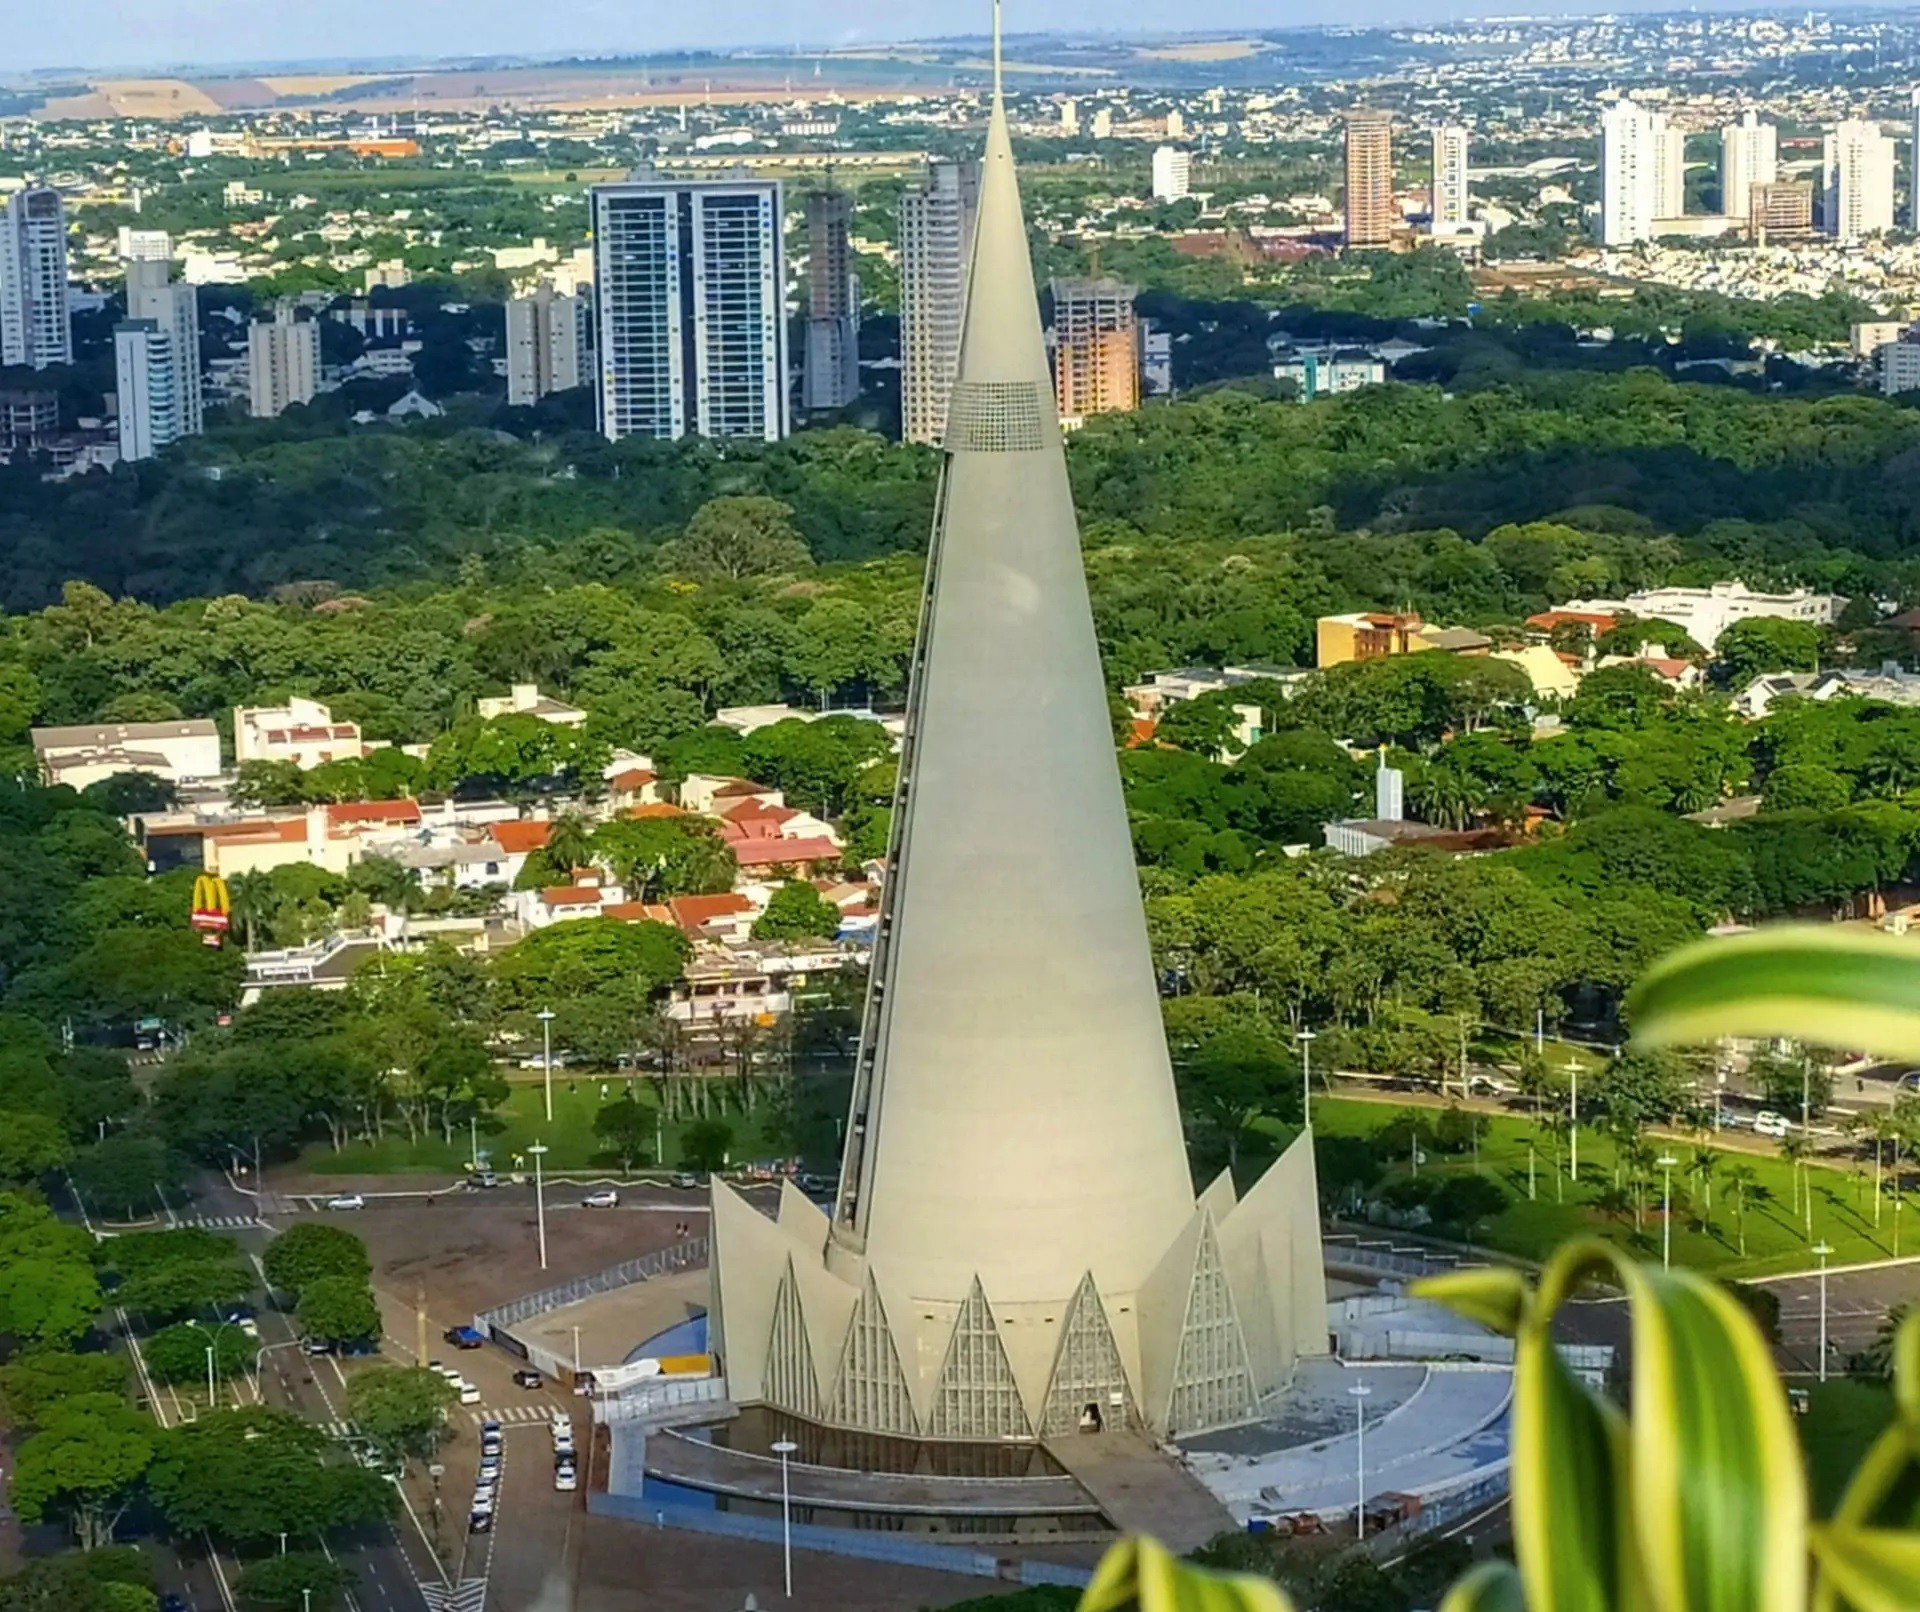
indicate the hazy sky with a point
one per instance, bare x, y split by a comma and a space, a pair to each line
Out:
91, 33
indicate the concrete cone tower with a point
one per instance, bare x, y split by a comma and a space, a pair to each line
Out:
1015, 1241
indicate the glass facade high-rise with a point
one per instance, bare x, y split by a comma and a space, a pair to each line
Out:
936, 242
35, 325
689, 302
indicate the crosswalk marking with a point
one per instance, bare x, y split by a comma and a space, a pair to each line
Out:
511, 1413
340, 1429
469, 1595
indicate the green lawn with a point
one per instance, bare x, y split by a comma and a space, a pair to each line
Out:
521, 1121
1776, 1238
1843, 1418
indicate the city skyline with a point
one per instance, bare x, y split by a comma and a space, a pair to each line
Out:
211, 34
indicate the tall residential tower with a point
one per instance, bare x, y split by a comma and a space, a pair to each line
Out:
1749, 156
549, 344
283, 363
1642, 172
36, 328
1370, 212
1096, 349
936, 241
832, 377
1449, 208
689, 288
1857, 161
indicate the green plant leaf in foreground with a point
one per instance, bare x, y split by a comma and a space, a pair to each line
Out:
1490, 1587
1876, 1569
1841, 988
1698, 1504
1495, 1296
1140, 1573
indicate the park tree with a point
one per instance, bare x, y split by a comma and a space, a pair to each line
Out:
109, 1578
31, 1145
1787, 1080
797, 911
1230, 1070
1761, 644
86, 1462
817, 765
562, 961
126, 1174
252, 1474
48, 1301
625, 1126
706, 1144
402, 1408
738, 537
33, 1383
653, 857
298, 1581
178, 1354
310, 1250
338, 1309
1465, 1201
186, 1287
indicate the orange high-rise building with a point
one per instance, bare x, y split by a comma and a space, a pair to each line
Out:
1371, 215
1096, 360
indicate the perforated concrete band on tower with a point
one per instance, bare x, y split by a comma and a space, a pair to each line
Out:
1015, 1241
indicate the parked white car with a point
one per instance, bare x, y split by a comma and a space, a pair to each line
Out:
605, 1198
566, 1478
1768, 1123
347, 1200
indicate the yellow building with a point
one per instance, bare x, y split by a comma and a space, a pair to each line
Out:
1372, 634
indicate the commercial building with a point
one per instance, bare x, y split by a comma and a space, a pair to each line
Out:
1449, 190
936, 243
302, 731
36, 328
283, 363
832, 376
1096, 349
1324, 371
1172, 174
174, 306
1857, 162
1015, 1250
133, 245
549, 344
1899, 364
1642, 172
1749, 156
1782, 208
1705, 613
689, 282
181, 752
27, 419
525, 699
1370, 213
1376, 634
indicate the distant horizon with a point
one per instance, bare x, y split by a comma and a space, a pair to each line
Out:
210, 37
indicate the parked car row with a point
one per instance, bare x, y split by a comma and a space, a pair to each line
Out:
566, 1470
486, 1483
469, 1394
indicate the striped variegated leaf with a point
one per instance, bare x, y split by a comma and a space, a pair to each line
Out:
1906, 1377
1719, 1487
1490, 1587
1875, 1569
1496, 1296
1572, 1531
1838, 988
1137, 1572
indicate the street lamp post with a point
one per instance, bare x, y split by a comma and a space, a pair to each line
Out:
576, 1351
1573, 1121
539, 1150
1305, 1038
1823, 1250
1666, 1161
1360, 1391
209, 1376
784, 1448
545, 1016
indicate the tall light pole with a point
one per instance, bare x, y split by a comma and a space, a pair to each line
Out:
209, 1376
1821, 1249
784, 1448
1666, 1161
1573, 1121
1359, 1391
1305, 1038
545, 1016
538, 1150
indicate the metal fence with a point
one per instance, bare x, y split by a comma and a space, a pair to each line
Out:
1389, 1258
661, 1397
687, 1256
902, 1550
1440, 1512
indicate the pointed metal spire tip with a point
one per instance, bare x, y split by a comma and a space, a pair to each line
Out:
998, 84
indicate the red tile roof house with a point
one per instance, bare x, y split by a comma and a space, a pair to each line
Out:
587, 897
517, 842
727, 917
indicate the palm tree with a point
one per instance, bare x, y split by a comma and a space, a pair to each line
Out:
1700, 1169
254, 901
569, 842
1442, 797
1741, 1180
